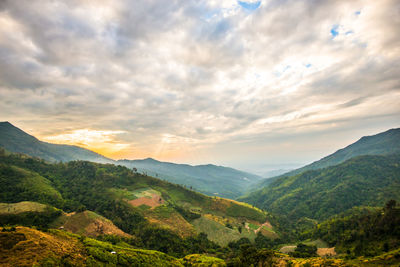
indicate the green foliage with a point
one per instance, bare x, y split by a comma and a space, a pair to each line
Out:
166, 241
202, 260
18, 185
262, 241
363, 231
304, 251
245, 254
187, 214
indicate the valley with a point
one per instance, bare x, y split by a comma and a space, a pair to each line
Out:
128, 211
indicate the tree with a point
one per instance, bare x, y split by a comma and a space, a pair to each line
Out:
390, 205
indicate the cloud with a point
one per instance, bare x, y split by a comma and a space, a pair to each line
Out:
184, 78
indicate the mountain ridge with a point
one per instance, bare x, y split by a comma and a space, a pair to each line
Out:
209, 179
16, 140
383, 143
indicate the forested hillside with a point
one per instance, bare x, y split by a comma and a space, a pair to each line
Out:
384, 143
362, 231
319, 194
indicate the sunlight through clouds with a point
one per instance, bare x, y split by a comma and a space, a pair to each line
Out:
103, 142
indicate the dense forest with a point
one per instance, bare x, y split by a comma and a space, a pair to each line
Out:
362, 231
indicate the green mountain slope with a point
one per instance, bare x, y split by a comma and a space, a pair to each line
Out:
15, 140
208, 179
319, 194
132, 201
384, 143
18, 184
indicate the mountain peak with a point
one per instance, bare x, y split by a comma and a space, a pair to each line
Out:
16, 140
6, 123
150, 160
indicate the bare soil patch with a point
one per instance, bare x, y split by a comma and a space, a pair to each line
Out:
152, 202
326, 252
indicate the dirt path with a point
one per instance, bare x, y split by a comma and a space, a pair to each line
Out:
267, 223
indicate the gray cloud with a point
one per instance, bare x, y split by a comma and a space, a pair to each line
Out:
195, 76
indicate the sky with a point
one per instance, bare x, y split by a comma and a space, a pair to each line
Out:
255, 85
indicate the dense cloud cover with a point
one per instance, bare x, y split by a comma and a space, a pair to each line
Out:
230, 82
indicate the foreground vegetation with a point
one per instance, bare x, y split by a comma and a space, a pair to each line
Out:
23, 246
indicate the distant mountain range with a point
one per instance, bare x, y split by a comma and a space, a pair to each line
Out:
208, 179
384, 143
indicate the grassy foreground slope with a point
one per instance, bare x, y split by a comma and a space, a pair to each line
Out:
319, 194
28, 247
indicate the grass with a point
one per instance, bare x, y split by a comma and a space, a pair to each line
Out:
167, 217
202, 260
253, 226
236, 210
87, 223
145, 192
219, 233
24, 206
123, 194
